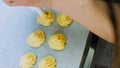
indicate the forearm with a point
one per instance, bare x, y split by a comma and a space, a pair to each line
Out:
89, 14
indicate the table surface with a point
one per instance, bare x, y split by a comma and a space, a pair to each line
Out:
17, 23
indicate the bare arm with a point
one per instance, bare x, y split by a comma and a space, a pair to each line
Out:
91, 14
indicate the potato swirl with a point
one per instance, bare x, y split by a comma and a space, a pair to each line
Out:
28, 60
57, 41
36, 38
47, 62
64, 20
47, 19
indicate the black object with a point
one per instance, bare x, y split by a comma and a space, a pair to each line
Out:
113, 1
116, 25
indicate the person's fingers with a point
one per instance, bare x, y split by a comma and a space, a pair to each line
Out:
15, 3
8, 2
20, 4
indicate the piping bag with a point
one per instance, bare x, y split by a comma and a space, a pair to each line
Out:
38, 10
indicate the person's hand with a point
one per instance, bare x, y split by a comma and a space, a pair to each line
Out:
35, 3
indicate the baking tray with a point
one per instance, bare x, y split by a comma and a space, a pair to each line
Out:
17, 23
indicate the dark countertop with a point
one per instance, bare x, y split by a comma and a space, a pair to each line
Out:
103, 54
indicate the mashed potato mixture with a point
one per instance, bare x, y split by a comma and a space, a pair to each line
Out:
36, 39
47, 19
57, 41
47, 62
64, 20
28, 60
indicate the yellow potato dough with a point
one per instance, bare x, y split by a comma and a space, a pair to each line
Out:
28, 60
36, 39
57, 41
47, 19
64, 20
47, 62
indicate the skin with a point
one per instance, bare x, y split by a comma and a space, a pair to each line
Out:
92, 14
89, 14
